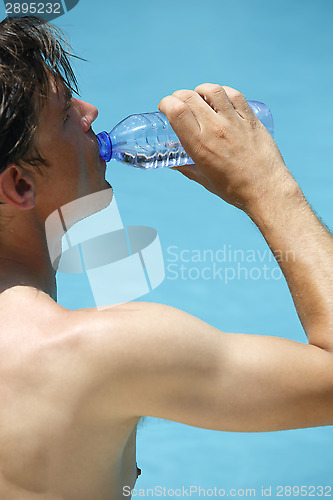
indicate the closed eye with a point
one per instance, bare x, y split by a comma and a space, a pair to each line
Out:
68, 96
66, 111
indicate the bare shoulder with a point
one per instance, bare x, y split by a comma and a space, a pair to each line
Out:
85, 338
94, 355
27, 296
32, 309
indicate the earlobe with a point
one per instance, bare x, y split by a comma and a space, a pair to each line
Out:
17, 188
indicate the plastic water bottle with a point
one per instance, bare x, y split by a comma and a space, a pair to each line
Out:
147, 140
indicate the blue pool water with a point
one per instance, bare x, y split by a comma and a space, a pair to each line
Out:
279, 53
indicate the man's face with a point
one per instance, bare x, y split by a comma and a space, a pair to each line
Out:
65, 139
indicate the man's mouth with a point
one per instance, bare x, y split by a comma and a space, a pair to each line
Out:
96, 142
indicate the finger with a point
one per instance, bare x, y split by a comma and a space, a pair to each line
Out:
224, 100
181, 119
193, 173
198, 106
189, 171
216, 97
239, 102
178, 113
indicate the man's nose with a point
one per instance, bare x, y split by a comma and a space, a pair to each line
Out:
89, 114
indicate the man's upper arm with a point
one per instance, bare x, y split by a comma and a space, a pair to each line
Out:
158, 361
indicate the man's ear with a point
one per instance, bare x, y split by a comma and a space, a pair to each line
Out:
17, 187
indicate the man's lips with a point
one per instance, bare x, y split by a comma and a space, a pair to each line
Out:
95, 141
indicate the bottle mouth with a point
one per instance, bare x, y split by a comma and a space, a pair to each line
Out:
105, 146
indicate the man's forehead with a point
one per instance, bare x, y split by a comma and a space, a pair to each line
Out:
52, 111
58, 88
58, 96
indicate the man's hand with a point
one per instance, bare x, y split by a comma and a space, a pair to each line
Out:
235, 156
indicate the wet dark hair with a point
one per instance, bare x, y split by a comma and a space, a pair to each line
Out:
31, 52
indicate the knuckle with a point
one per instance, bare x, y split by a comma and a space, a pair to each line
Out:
234, 95
203, 86
177, 110
184, 94
216, 93
216, 89
209, 86
210, 90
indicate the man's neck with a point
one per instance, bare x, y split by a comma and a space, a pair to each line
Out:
13, 273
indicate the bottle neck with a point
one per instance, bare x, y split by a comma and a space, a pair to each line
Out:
105, 146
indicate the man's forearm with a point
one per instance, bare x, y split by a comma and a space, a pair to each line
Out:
304, 250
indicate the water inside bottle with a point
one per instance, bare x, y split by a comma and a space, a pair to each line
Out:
173, 154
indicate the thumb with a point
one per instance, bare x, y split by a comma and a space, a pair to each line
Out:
194, 174
190, 171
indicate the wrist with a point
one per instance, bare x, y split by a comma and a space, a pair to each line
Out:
280, 194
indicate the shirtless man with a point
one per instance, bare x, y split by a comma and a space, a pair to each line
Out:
73, 384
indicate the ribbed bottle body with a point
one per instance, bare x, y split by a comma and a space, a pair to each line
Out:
148, 141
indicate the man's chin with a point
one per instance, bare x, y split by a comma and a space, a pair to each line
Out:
107, 185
